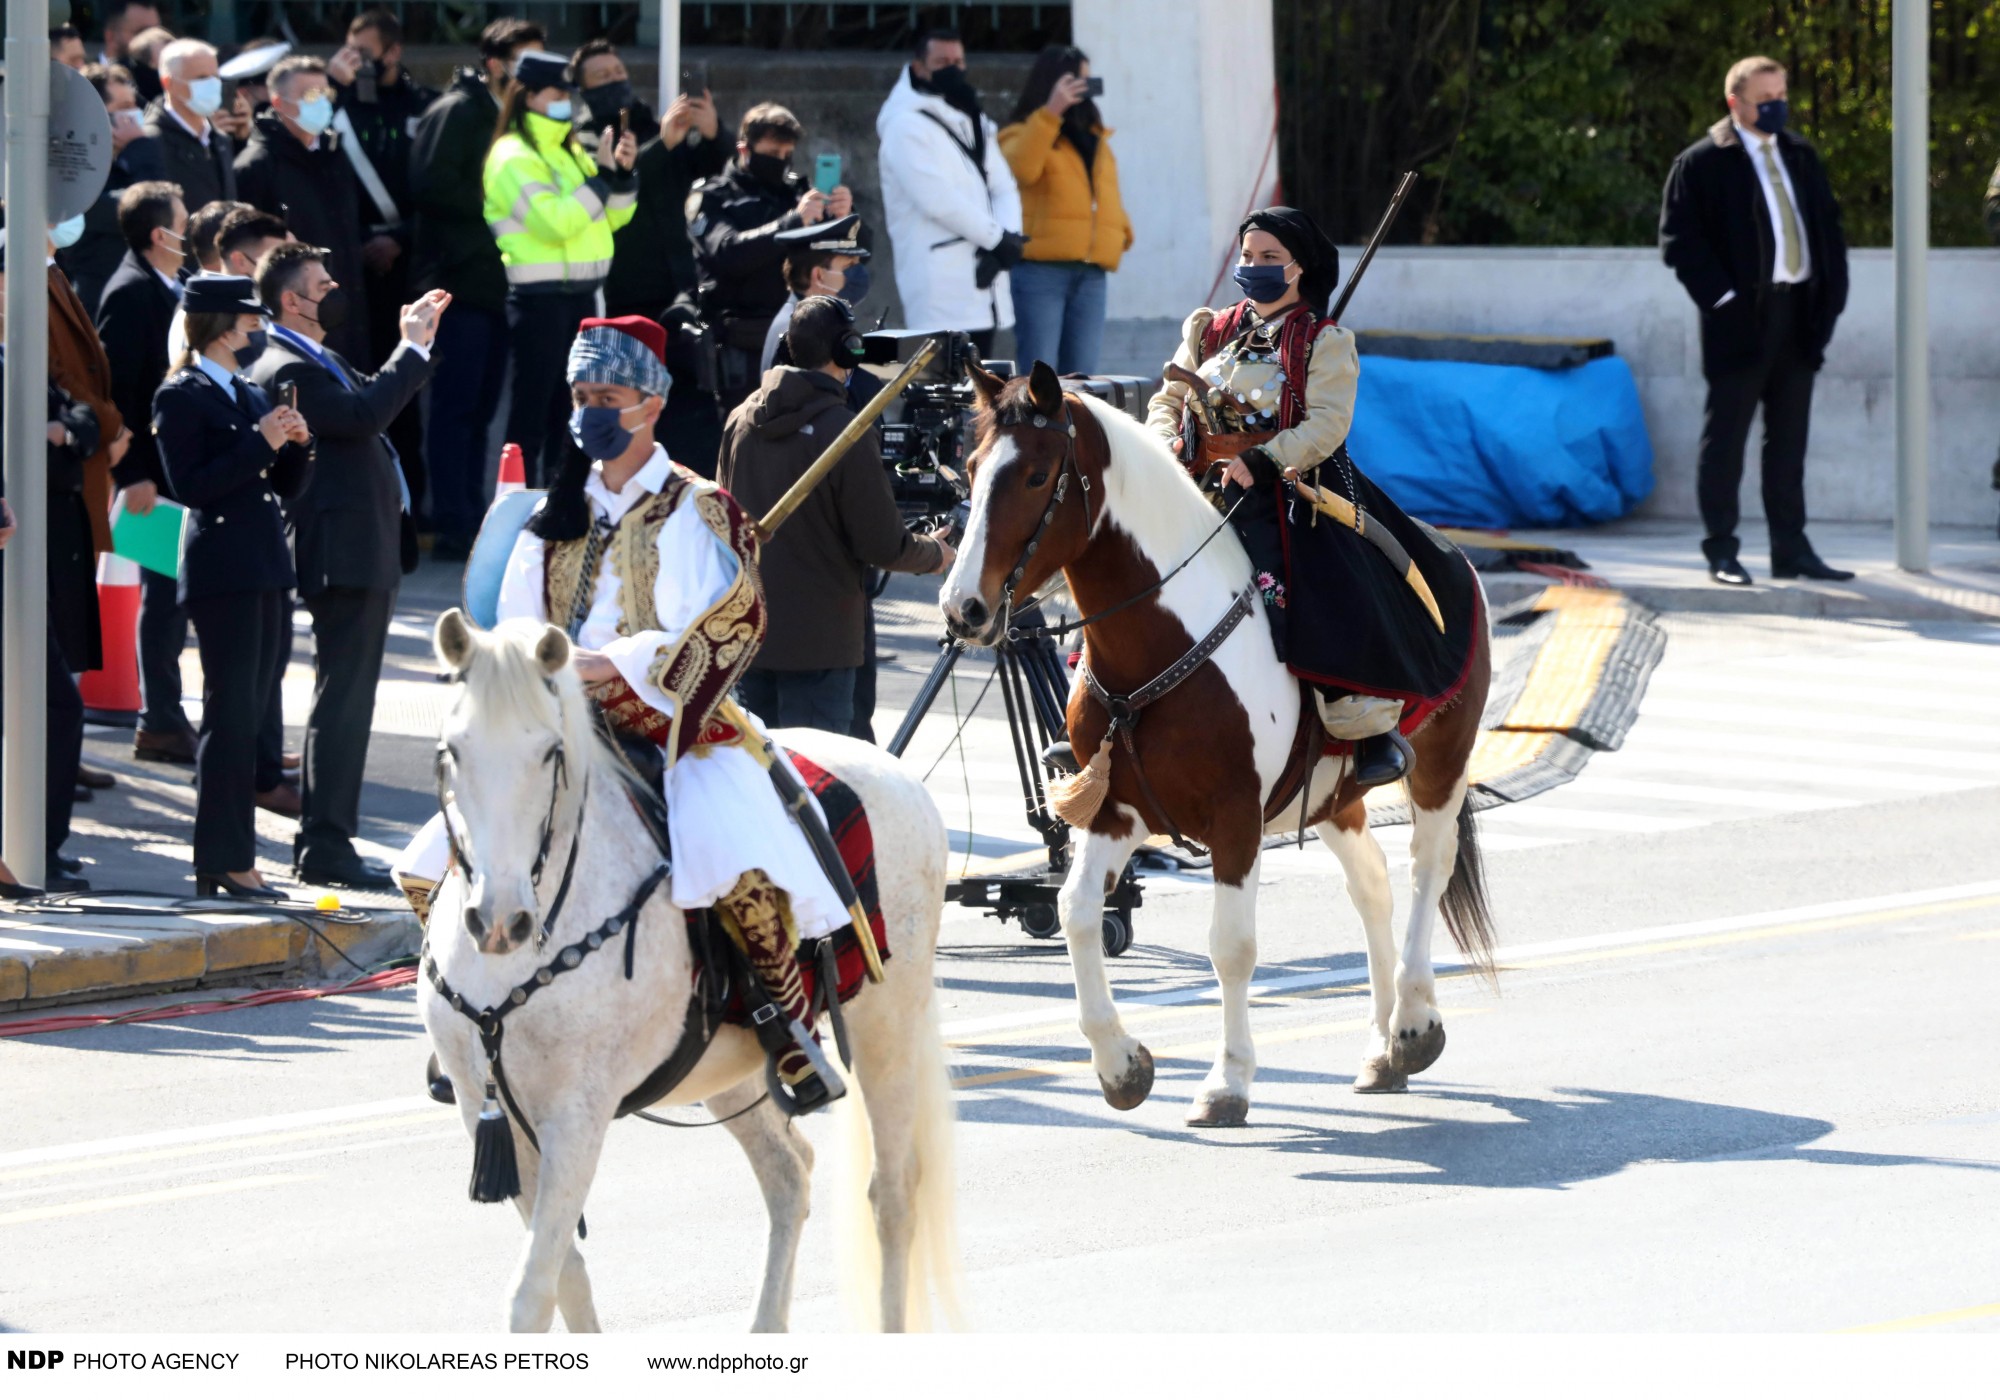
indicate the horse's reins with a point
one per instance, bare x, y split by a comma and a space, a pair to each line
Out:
1123, 709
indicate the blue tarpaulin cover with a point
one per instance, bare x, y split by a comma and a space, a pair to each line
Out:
1499, 447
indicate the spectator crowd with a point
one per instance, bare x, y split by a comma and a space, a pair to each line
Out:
310, 282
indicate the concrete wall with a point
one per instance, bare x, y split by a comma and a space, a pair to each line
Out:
1628, 295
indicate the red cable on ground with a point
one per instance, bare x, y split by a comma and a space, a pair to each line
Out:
374, 982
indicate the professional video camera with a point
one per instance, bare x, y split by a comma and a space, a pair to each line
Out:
925, 443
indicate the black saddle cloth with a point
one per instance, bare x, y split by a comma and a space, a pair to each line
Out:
1345, 618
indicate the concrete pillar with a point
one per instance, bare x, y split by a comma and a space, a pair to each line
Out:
1190, 92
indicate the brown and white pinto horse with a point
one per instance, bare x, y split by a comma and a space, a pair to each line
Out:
1219, 756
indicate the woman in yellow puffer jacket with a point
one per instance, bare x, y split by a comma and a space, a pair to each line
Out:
1071, 212
553, 211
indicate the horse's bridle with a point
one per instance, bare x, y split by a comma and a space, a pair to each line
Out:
558, 761
1069, 469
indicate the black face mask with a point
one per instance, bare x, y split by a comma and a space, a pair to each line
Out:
331, 310
767, 170
607, 101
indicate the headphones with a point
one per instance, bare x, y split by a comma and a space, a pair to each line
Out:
849, 350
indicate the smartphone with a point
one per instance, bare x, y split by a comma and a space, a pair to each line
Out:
288, 394
1093, 87
694, 78
624, 121
826, 171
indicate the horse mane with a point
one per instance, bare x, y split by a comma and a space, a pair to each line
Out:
506, 683
1150, 496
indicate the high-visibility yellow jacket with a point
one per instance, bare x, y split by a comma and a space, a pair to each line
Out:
551, 210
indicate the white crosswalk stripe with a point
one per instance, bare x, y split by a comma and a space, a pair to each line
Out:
1745, 718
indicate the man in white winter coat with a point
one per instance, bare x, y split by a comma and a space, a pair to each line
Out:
953, 211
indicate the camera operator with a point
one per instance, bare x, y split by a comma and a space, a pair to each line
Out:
734, 220
814, 568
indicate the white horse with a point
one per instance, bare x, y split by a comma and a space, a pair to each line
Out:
590, 1035
1064, 483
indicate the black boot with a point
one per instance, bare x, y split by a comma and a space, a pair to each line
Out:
1383, 758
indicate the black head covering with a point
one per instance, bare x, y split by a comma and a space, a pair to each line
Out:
1318, 259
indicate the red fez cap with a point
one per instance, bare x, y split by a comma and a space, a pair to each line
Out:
643, 329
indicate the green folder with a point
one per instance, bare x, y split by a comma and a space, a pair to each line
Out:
152, 541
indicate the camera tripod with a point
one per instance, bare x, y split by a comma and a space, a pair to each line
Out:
1034, 686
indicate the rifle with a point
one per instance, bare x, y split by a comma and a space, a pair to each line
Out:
1403, 188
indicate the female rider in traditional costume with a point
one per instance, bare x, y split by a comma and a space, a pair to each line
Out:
1258, 400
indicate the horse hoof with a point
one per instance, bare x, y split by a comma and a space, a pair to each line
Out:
1133, 1086
1219, 1111
1377, 1077
1416, 1051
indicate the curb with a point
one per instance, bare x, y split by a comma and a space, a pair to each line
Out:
1921, 598
49, 959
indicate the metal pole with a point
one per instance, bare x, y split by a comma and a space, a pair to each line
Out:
670, 53
23, 820
1911, 112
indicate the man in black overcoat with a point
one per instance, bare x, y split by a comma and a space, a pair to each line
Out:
347, 541
1750, 226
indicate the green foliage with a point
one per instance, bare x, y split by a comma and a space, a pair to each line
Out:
1554, 121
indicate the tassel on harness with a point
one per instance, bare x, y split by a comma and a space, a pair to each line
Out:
496, 1176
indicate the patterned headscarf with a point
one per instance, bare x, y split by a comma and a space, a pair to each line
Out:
627, 350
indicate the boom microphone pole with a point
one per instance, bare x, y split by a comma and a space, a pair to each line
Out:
1403, 188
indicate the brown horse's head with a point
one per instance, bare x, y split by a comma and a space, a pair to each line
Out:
1028, 466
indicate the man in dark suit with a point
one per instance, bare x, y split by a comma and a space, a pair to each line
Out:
292, 167
133, 320
1750, 226
348, 539
195, 154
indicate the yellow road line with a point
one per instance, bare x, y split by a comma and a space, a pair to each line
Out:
154, 1198
1939, 1319
203, 1149
1206, 1005
1203, 1047
1752, 935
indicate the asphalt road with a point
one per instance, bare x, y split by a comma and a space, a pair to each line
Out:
1739, 1073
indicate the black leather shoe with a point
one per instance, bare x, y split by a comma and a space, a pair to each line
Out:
1383, 758
69, 865
1061, 757
353, 873
437, 1083
95, 777
10, 890
1730, 571
1810, 565
61, 883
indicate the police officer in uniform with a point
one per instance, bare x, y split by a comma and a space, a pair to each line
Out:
735, 219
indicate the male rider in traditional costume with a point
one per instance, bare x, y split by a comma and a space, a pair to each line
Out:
653, 573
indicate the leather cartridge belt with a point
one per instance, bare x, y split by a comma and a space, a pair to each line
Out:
1211, 448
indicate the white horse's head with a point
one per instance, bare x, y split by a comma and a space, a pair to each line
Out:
514, 751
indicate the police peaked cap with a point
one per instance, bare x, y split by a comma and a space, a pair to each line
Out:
253, 63
535, 70
221, 294
836, 236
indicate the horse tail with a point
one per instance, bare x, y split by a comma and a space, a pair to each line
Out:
1467, 911
933, 1264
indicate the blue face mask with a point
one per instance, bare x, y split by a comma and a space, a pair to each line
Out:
856, 286
67, 232
601, 432
315, 115
560, 110
1771, 115
1263, 283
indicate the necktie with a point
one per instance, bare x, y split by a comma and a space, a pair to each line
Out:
242, 393
1788, 217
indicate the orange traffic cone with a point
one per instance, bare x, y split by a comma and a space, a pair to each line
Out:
111, 695
513, 471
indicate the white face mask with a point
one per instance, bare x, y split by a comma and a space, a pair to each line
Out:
205, 96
